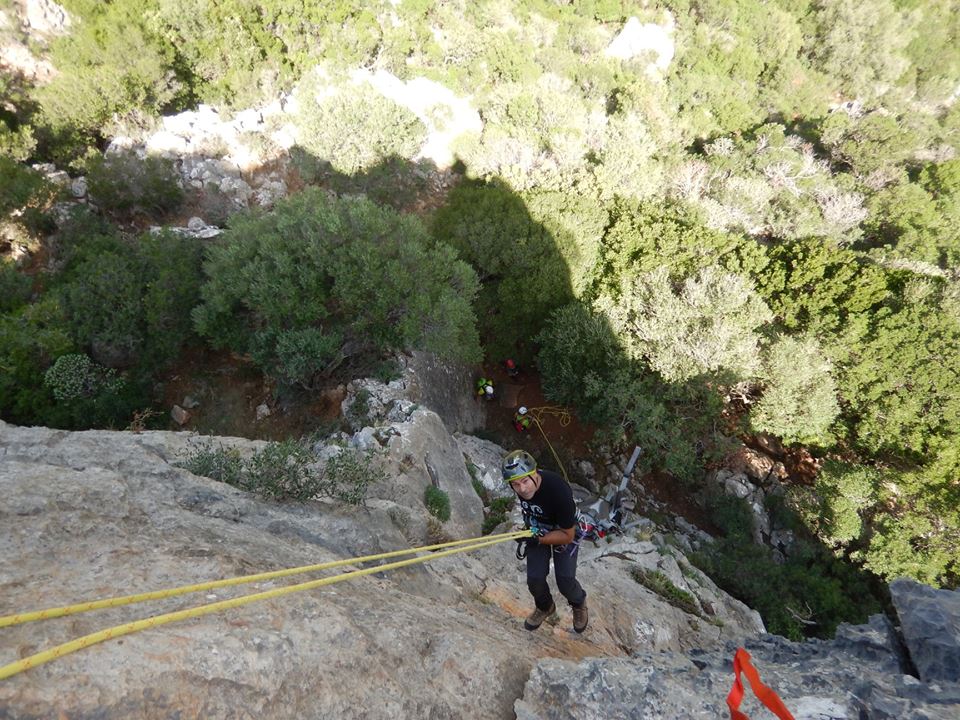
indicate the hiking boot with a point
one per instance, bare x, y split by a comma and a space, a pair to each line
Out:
580, 618
536, 618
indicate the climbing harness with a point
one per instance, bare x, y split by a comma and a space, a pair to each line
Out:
6, 671
770, 699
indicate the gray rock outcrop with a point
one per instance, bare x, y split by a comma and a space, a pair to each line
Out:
862, 674
931, 628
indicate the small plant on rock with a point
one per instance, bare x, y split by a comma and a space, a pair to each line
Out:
437, 502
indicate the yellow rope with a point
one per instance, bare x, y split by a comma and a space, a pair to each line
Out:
563, 418
563, 415
8, 620
157, 620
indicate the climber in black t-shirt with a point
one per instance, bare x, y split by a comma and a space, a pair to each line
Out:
550, 512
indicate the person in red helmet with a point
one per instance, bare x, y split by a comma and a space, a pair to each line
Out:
511, 367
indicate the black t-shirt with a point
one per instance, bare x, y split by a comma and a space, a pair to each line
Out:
552, 506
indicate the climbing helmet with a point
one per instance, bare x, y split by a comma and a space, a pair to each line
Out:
518, 464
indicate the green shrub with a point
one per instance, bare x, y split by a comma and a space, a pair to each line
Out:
437, 502
338, 277
77, 377
282, 471
21, 187
287, 470
356, 128
127, 303
659, 583
30, 340
388, 370
350, 474
215, 463
17, 141
496, 512
297, 354
123, 182
15, 287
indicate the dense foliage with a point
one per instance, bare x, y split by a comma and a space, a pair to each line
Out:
318, 280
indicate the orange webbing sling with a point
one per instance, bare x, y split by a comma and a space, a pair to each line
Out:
741, 663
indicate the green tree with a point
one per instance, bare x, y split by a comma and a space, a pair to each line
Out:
524, 276
15, 287
812, 284
875, 142
316, 270
905, 218
111, 63
920, 536
17, 140
799, 402
861, 44
582, 364
934, 49
845, 493
356, 128
707, 325
643, 236
899, 371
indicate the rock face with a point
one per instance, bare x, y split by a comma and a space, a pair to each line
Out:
98, 514
931, 628
860, 675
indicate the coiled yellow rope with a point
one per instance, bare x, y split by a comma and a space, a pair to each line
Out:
127, 628
564, 419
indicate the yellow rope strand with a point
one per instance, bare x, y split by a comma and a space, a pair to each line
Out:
157, 620
8, 620
564, 419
